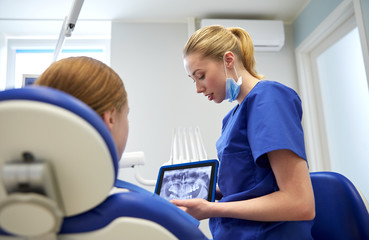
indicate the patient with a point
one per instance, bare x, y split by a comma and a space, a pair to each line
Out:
100, 87
97, 85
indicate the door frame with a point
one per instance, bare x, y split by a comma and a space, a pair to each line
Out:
314, 122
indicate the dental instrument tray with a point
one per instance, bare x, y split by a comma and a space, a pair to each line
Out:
188, 180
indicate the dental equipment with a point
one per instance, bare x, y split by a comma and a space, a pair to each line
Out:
58, 165
135, 160
68, 26
187, 146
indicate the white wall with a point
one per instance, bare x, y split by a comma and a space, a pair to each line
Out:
280, 66
148, 57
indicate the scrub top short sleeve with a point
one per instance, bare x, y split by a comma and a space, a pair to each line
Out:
274, 122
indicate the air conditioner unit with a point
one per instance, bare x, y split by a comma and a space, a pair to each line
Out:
267, 35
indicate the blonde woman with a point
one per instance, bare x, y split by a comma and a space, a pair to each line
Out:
263, 175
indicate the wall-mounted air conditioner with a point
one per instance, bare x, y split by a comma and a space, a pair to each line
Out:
267, 35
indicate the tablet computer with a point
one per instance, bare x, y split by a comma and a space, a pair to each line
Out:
188, 180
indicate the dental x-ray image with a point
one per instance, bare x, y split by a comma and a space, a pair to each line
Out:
188, 180
186, 183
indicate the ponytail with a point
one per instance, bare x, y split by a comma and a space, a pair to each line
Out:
246, 52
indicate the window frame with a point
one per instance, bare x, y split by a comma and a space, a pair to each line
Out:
80, 44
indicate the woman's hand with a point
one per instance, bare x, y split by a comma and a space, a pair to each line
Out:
293, 202
198, 208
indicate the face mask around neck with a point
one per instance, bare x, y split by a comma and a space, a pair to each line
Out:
232, 87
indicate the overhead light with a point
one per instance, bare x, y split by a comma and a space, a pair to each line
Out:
68, 26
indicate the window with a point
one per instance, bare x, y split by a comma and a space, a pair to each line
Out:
27, 57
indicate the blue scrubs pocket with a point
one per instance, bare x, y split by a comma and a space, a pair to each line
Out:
236, 172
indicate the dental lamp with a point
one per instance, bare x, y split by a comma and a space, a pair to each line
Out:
68, 26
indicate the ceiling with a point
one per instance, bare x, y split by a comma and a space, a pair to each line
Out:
153, 11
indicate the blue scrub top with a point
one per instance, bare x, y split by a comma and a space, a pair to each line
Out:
268, 119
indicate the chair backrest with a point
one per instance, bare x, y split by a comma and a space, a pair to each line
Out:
340, 210
58, 164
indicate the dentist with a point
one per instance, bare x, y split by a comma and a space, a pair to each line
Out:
263, 175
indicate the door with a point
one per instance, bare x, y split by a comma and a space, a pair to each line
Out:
338, 67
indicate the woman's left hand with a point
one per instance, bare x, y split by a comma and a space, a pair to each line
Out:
198, 208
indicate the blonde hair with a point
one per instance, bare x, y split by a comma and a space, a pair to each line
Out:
214, 41
87, 79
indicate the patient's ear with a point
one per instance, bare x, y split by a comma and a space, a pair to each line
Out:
109, 118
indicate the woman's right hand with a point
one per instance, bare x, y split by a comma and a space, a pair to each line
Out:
198, 208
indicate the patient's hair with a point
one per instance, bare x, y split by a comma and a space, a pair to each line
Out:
87, 79
214, 41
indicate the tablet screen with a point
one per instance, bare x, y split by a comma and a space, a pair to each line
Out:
188, 180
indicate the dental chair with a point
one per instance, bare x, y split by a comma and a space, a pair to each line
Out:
58, 165
341, 213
